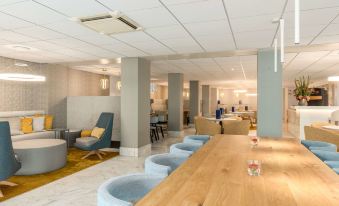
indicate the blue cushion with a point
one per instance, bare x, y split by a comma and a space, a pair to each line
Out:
336, 170
163, 164
185, 148
126, 190
332, 164
196, 139
326, 155
318, 145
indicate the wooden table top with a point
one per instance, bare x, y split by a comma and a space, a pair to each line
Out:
217, 175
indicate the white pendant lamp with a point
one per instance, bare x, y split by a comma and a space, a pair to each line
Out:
275, 55
282, 40
296, 21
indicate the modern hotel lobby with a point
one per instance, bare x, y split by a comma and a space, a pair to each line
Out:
169, 102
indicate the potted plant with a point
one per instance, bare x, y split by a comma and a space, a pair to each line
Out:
302, 92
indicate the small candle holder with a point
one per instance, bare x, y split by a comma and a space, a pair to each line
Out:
254, 141
254, 167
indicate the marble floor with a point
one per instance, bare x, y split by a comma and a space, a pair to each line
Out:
80, 188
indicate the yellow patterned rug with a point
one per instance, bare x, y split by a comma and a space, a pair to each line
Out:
74, 164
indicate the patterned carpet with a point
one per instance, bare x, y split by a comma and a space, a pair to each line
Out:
74, 164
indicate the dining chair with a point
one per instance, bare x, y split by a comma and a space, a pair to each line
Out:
8, 160
196, 139
236, 127
163, 164
155, 123
206, 127
319, 145
185, 148
126, 190
323, 135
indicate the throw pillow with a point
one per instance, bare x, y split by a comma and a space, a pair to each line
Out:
97, 132
38, 124
48, 120
86, 133
26, 125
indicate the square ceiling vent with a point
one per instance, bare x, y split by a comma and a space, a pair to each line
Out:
109, 23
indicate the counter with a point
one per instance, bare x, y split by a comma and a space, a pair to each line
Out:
300, 116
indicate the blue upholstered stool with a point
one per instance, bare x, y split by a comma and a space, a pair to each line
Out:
185, 148
163, 164
196, 139
318, 145
329, 158
126, 190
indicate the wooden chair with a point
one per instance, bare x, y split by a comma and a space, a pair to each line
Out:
206, 127
318, 134
236, 127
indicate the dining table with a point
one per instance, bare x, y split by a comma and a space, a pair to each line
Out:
217, 174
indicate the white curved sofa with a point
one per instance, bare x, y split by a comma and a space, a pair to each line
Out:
13, 117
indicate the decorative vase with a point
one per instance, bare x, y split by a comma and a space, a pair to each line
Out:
302, 102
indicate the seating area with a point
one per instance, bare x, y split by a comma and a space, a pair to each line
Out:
169, 102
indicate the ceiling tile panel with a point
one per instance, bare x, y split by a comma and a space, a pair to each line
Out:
168, 32
33, 12
40, 33
9, 22
130, 5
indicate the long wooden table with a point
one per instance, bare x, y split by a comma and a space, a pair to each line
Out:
217, 175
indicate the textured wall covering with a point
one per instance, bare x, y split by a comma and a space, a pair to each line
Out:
49, 96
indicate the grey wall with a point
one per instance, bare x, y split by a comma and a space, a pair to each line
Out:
270, 95
135, 102
206, 99
175, 101
194, 100
93, 107
49, 96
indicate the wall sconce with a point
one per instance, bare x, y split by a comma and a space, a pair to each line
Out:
118, 85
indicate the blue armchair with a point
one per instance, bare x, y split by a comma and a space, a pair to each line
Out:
9, 163
319, 145
93, 144
185, 148
126, 190
163, 164
196, 139
329, 158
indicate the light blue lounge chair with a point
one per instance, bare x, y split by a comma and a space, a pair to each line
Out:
163, 164
329, 158
185, 148
126, 190
196, 139
318, 145
9, 163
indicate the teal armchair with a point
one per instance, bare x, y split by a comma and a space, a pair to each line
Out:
9, 164
94, 144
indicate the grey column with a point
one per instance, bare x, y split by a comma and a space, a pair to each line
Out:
135, 106
194, 100
270, 95
175, 102
206, 99
214, 100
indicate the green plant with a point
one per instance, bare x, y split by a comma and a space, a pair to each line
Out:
301, 90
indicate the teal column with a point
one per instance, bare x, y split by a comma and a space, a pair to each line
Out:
270, 95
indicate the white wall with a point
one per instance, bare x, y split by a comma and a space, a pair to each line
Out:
83, 112
230, 98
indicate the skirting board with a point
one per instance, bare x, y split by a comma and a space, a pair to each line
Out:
175, 133
136, 152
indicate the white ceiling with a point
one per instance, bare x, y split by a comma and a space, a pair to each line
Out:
172, 27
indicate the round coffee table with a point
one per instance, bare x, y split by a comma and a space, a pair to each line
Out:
39, 156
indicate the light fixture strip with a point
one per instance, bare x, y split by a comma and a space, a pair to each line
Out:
275, 55
296, 21
282, 40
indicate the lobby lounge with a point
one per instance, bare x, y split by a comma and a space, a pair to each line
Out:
169, 102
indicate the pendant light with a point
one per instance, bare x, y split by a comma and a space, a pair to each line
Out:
296, 21
104, 82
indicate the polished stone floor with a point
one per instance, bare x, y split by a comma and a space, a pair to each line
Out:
80, 188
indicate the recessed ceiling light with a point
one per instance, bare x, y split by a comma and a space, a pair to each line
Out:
232, 69
21, 48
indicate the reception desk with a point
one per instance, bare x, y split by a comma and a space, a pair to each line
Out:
300, 116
